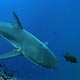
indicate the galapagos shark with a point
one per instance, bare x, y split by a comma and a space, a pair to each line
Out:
26, 44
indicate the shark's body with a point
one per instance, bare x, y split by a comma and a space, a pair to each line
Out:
27, 44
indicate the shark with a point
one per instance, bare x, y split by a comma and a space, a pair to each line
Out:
26, 44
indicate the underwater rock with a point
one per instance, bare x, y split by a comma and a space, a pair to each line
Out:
69, 57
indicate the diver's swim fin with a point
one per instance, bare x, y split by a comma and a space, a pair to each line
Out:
10, 54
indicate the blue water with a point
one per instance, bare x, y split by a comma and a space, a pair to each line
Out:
55, 21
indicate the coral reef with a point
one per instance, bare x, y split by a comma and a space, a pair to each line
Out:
6, 74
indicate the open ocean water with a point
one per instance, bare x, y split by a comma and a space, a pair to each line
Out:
54, 21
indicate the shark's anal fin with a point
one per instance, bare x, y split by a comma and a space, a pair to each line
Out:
17, 23
10, 54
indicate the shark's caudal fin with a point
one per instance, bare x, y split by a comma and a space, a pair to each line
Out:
17, 23
10, 54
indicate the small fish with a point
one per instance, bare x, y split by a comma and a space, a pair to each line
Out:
69, 57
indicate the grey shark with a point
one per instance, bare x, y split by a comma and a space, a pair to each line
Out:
27, 45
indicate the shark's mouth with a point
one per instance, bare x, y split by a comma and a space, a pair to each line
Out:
37, 62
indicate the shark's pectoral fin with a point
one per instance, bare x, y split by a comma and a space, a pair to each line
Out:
10, 54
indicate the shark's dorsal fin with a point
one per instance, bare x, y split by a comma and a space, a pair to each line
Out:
17, 23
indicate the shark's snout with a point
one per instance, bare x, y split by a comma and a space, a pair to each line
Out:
49, 60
